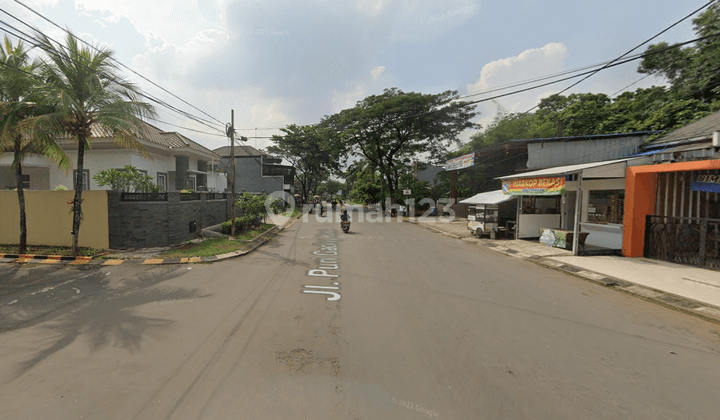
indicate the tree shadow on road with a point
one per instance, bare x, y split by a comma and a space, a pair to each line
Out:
107, 315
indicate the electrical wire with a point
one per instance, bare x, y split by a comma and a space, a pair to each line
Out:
31, 40
119, 63
633, 49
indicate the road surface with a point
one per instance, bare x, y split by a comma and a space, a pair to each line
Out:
415, 325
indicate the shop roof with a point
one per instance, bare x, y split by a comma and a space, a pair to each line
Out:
699, 130
606, 169
490, 197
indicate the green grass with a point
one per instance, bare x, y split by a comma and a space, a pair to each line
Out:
293, 214
206, 248
49, 250
251, 234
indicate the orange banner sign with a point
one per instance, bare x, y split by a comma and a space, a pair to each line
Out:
535, 186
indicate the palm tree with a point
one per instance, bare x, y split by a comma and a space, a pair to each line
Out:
17, 83
87, 92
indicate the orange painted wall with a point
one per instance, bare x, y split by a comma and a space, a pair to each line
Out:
640, 196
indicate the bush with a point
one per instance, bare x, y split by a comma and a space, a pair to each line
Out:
242, 223
129, 179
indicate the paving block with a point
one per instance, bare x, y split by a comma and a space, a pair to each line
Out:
154, 261
113, 262
195, 259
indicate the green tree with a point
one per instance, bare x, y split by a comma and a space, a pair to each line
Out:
367, 188
505, 126
312, 152
391, 129
693, 71
331, 187
18, 101
87, 92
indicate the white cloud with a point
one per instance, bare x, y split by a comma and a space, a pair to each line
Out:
376, 72
345, 100
371, 7
527, 65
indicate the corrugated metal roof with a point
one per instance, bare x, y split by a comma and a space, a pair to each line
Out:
563, 170
591, 136
491, 197
698, 130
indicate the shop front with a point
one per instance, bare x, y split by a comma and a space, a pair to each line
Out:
578, 207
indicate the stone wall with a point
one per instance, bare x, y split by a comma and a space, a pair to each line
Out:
143, 224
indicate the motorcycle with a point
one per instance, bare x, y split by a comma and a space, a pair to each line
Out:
345, 222
334, 204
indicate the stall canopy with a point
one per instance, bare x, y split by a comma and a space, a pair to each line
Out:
491, 197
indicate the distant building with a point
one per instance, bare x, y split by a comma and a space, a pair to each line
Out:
426, 172
257, 172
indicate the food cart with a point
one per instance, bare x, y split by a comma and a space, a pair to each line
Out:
489, 211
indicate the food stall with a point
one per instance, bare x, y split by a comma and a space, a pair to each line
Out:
489, 211
572, 206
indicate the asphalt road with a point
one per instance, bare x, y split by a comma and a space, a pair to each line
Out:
425, 327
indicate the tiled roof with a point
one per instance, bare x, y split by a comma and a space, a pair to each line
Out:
152, 134
239, 151
700, 129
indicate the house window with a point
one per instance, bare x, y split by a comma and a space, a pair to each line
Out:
606, 206
536, 204
86, 179
162, 181
26, 182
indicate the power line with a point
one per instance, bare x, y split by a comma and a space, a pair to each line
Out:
537, 79
151, 98
633, 49
633, 83
113, 59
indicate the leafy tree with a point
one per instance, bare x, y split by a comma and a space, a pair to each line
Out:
367, 188
693, 71
418, 189
88, 91
310, 151
18, 101
390, 129
504, 127
331, 187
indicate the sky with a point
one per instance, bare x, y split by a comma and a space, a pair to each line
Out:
277, 63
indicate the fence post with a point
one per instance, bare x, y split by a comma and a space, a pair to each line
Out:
703, 240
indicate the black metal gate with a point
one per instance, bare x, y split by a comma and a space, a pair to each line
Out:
684, 240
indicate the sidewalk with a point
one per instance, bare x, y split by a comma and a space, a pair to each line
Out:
684, 288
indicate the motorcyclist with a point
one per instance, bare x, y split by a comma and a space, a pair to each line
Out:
343, 212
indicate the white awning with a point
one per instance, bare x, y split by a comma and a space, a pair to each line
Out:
606, 169
491, 197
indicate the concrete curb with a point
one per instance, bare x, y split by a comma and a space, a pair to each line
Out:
668, 300
65, 260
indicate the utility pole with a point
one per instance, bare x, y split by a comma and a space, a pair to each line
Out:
230, 128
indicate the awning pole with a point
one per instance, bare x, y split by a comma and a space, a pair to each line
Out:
578, 203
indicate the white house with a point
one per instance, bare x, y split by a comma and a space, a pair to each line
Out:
175, 162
